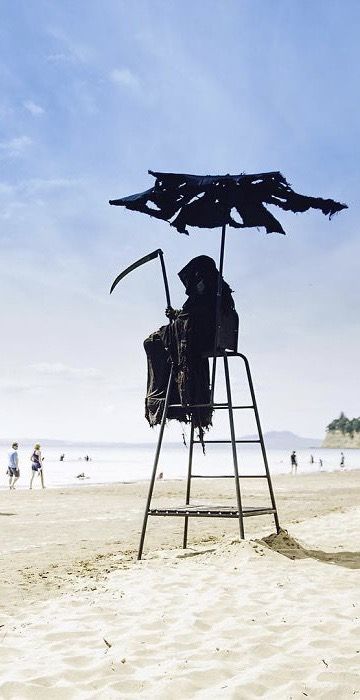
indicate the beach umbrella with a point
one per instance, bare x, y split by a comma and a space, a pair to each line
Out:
211, 201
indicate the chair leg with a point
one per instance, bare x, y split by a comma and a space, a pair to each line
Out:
233, 446
262, 444
156, 461
188, 485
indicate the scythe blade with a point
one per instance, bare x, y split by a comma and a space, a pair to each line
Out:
156, 253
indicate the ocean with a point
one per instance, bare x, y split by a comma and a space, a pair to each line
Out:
133, 462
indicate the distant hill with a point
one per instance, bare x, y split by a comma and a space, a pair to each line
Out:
276, 440
285, 440
48, 442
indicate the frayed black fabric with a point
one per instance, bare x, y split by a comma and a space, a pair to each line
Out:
208, 201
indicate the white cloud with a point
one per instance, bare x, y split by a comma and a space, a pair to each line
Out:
38, 184
70, 51
59, 58
125, 77
110, 409
34, 192
14, 147
6, 189
5, 111
33, 108
57, 369
42, 184
14, 388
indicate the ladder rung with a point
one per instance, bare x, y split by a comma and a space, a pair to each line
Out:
228, 476
227, 442
236, 407
190, 405
214, 406
226, 405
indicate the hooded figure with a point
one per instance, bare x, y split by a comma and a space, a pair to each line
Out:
185, 343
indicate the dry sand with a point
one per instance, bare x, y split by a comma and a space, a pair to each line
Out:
275, 618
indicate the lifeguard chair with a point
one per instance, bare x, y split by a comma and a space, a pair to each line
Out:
226, 342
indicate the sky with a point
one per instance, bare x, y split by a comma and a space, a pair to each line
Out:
95, 94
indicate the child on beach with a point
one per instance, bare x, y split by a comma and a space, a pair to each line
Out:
13, 470
36, 465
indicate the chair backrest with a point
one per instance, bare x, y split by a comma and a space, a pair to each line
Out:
229, 331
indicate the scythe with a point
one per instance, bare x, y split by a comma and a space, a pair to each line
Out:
142, 261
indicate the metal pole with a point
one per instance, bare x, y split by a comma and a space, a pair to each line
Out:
188, 485
218, 312
156, 460
257, 418
233, 445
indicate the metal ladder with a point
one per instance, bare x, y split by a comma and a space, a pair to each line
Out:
217, 511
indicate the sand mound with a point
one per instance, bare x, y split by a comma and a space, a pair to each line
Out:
288, 546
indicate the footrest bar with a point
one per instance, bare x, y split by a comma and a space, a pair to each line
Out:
204, 511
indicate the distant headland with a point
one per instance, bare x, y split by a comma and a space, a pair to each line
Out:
343, 432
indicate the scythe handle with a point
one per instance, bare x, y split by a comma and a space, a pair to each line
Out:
161, 256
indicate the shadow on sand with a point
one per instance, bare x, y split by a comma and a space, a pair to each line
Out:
286, 545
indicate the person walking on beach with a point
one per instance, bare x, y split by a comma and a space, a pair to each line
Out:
311, 459
13, 470
36, 465
294, 463
320, 464
342, 460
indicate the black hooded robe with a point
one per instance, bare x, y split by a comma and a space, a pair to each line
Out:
184, 342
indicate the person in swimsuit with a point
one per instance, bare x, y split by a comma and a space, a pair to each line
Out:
36, 465
293, 461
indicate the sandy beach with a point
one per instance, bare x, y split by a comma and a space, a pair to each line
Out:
272, 616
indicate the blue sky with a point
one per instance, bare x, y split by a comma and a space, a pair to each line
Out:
92, 95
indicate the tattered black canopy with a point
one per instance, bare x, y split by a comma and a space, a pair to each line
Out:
209, 201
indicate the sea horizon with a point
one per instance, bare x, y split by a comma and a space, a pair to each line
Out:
134, 462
